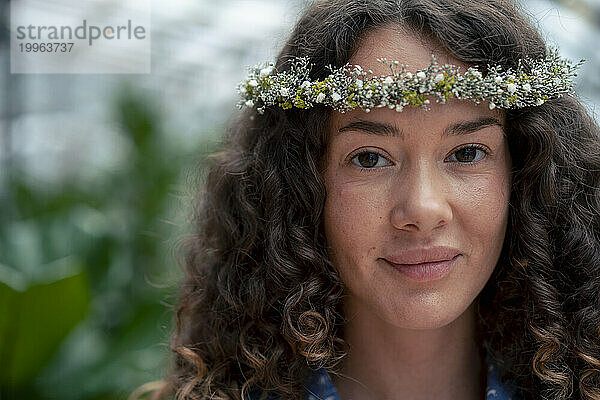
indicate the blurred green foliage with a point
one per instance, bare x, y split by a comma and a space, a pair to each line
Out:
87, 273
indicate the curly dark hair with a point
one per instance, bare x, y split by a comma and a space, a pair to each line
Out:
260, 303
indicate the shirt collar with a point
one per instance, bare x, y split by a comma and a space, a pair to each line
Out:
321, 387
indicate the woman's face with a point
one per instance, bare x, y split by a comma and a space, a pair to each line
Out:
413, 180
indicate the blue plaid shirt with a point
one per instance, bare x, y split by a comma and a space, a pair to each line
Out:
321, 387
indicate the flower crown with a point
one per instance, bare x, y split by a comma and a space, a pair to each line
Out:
531, 84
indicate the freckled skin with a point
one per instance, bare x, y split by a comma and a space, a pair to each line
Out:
419, 201
417, 196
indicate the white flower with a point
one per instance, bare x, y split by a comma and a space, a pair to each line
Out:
266, 71
426, 101
551, 76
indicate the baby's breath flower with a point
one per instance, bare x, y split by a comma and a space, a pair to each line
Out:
266, 71
533, 82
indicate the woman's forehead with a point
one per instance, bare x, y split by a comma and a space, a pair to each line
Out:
402, 45
398, 44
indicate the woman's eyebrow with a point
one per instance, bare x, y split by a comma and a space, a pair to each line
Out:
377, 128
464, 127
455, 129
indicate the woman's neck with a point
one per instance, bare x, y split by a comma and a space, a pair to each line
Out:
386, 362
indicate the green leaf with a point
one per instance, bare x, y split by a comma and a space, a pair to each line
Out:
37, 317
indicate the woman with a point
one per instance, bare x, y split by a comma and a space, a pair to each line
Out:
444, 253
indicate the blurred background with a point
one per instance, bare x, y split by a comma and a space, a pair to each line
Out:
97, 173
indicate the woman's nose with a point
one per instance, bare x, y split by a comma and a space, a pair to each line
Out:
420, 200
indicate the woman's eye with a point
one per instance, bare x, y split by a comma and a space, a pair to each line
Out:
369, 159
469, 154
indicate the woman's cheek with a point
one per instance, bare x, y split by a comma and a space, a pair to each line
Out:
483, 208
352, 217
346, 210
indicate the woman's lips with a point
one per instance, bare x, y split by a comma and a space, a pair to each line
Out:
422, 255
427, 271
